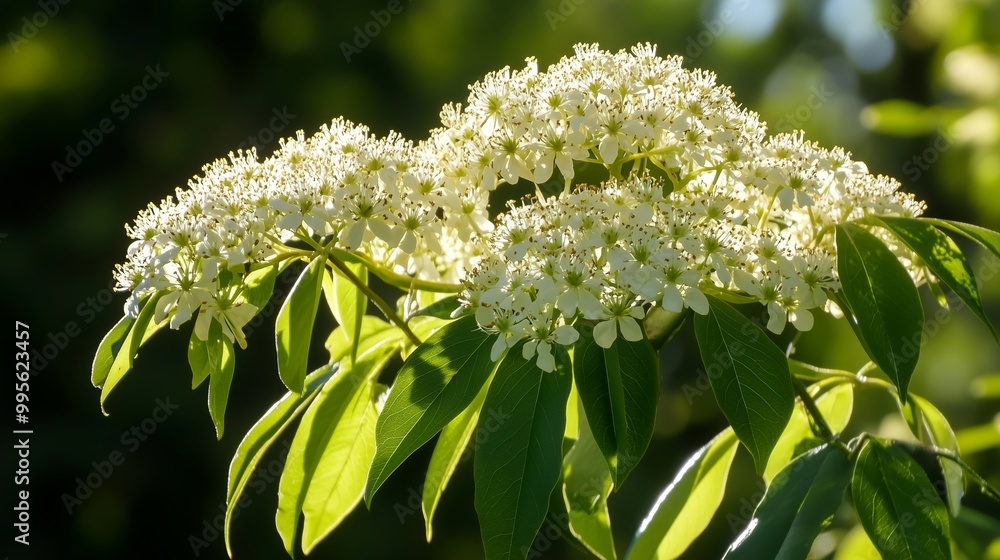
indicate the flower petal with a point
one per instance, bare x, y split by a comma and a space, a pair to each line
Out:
631, 331
605, 333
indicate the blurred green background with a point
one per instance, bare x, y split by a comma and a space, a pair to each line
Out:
912, 88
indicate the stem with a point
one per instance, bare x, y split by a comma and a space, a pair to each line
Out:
984, 486
821, 426
406, 282
767, 212
375, 298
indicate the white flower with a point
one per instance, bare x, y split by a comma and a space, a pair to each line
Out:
232, 316
713, 204
619, 315
541, 343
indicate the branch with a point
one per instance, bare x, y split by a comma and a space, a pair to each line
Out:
379, 302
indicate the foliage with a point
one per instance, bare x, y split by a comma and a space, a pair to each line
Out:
549, 352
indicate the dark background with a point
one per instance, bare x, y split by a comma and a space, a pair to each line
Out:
249, 72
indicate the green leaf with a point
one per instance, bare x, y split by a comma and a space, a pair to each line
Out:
109, 349
348, 303
325, 427
338, 482
888, 316
339, 343
897, 505
856, 546
436, 383
933, 429
688, 504
585, 489
259, 285
263, 434
619, 388
441, 309
988, 238
293, 329
141, 330
449, 451
218, 386
835, 405
943, 257
574, 410
749, 376
206, 356
797, 506
516, 470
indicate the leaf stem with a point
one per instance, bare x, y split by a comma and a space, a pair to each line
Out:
984, 485
406, 282
375, 298
822, 428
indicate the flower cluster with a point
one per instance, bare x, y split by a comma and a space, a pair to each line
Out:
696, 198
366, 194
709, 203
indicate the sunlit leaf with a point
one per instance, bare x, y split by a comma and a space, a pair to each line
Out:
856, 546
293, 328
898, 506
323, 430
452, 448
206, 356
749, 376
932, 428
262, 436
259, 285
688, 504
798, 505
442, 309
141, 330
884, 301
347, 302
108, 350
943, 257
517, 469
436, 383
619, 388
585, 489
988, 238
836, 405
219, 383
338, 481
